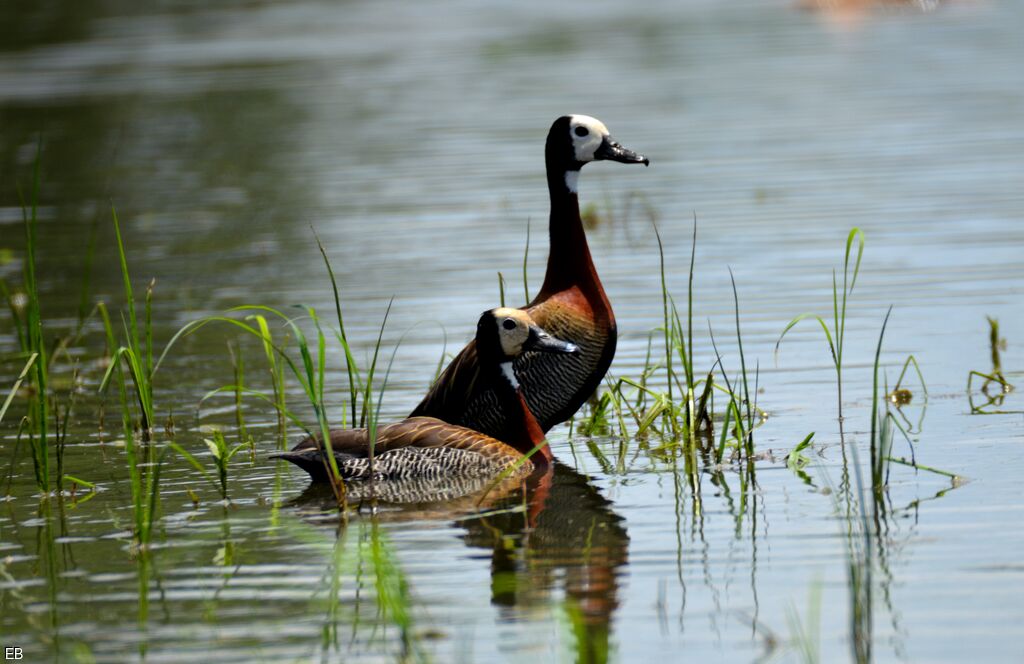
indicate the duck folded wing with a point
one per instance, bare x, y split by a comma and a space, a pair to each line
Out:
452, 394
416, 447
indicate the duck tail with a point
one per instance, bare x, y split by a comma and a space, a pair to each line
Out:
310, 460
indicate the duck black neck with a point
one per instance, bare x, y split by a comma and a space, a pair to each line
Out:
569, 260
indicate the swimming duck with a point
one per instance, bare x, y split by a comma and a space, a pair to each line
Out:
429, 448
571, 305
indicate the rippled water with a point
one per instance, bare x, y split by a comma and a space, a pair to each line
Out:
410, 136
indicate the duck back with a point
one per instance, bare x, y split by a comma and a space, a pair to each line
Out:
417, 447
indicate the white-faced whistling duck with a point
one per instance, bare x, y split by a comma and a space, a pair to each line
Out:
425, 447
571, 305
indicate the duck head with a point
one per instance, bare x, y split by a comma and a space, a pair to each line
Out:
503, 334
575, 140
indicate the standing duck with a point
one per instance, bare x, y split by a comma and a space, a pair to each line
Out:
430, 449
571, 305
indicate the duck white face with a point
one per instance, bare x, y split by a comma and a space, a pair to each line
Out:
589, 141
587, 134
513, 330
518, 333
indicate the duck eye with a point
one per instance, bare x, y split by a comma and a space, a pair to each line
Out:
508, 324
581, 131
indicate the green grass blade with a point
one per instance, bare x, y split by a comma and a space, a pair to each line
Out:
930, 469
350, 366
192, 460
855, 233
877, 456
666, 320
838, 322
373, 366
17, 384
78, 481
321, 357
689, 296
911, 360
129, 295
739, 342
148, 333
259, 395
526, 256
821, 322
38, 406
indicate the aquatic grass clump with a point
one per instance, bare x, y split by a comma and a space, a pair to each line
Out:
862, 510
883, 422
277, 378
881, 431
797, 461
257, 325
884, 425
310, 370
61, 416
637, 397
131, 362
669, 409
837, 335
42, 400
244, 437
222, 454
671, 398
28, 324
741, 409
134, 355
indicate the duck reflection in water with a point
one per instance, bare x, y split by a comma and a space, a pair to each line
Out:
572, 541
551, 532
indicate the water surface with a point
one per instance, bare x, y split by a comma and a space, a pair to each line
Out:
411, 138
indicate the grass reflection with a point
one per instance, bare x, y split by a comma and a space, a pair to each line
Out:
994, 387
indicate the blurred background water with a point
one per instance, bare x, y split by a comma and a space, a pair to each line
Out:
410, 136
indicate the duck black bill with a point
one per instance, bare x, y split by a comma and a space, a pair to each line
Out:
612, 151
544, 342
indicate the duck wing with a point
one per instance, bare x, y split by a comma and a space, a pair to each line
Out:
414, 447
410, 432
459, 396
